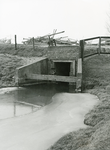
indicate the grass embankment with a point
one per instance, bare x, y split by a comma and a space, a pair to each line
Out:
96, 73
8, 65
23, 50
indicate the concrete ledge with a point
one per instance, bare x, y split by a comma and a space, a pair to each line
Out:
52, 78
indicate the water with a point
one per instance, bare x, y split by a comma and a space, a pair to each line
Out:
20, 101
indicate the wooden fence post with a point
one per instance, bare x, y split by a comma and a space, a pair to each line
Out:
15, 42
82, 49
33, 43
99, 51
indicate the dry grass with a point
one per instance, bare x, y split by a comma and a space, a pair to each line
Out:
23, 50
8, 65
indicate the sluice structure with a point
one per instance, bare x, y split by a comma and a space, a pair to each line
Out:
62, 64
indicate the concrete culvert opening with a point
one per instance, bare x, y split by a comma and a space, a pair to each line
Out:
62, 68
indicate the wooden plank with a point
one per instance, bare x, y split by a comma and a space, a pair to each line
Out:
90, 55
91, 38
105, 53
105, 37
52, 78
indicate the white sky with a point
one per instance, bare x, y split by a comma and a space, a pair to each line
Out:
32, 18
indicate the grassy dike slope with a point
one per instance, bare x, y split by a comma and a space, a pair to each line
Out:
96, 73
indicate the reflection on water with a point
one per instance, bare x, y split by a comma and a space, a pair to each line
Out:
25, 100
40, 94
9, 110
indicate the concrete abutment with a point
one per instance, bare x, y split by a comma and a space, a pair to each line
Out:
62, 64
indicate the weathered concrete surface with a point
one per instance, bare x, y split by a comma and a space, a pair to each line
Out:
53, 78
61, 61
64, 52
38, 131
38, 67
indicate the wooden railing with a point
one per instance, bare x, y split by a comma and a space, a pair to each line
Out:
82, 43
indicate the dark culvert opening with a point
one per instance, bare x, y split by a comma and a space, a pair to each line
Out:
62, 68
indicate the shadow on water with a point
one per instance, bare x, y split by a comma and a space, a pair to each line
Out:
24, 100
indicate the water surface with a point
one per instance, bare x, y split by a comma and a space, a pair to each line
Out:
23, 100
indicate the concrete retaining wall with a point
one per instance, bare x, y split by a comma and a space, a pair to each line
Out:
62, 64
39, 67
64, 52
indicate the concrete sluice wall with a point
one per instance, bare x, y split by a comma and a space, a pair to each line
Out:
38, 67
61, 65
64, 52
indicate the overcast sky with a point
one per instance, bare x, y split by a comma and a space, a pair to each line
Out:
32, 18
